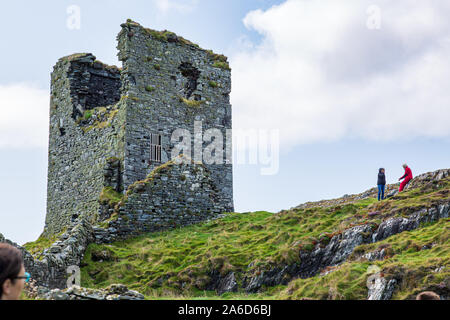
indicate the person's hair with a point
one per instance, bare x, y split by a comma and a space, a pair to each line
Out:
10, 263
428, 295
405, 165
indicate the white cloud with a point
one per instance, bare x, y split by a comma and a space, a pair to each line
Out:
183, 6
24, 119
320, 74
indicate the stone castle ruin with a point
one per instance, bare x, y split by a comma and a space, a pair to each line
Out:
110, 147
112, 173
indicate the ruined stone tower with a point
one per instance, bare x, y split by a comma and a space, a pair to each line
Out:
111, 141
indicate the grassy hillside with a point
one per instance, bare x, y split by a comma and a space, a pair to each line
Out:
417, 266
180, 263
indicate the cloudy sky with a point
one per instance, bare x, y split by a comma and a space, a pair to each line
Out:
349, 85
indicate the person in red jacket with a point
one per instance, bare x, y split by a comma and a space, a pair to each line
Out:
407, 176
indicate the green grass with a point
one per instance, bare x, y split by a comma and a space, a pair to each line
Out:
187, 254
110, 196
405, 260
213, 84
149, 88
221, 65
110, 115
178, 263
42, 243
191, 103
87, 114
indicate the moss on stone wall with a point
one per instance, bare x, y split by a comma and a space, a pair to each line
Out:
219, 60
110, 196
138, 185
191, 103
117, 200
74, 56
213, 84
221, 65
106, 117
36, 248
149, 88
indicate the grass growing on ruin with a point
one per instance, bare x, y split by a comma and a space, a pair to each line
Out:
213, 84
42, 243
191, 103
149, 88
102, 112
179, 262
110, 196
219, 60
221, 65
87, 114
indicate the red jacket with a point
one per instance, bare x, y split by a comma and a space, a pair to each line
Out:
408, 174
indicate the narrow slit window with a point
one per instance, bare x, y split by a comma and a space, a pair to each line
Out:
155, 147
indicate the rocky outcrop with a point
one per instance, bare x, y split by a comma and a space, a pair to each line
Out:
227, 284
391, 190
381, 289
397, 225
338, 250
113, 292
375, 255
425, 178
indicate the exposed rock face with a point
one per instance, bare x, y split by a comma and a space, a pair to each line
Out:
339, 249
397, 225
227, 284
375, 255
113, 292
381, 289
391, 193
424, 178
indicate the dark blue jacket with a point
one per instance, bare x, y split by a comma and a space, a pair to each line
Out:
381, 178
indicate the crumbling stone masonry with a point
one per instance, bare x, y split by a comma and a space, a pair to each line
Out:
111, 128
172, 195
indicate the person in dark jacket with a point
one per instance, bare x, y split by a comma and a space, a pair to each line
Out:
381, 184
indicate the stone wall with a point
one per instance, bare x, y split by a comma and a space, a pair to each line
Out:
50, 268
173, 195
172, 83
79, 147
